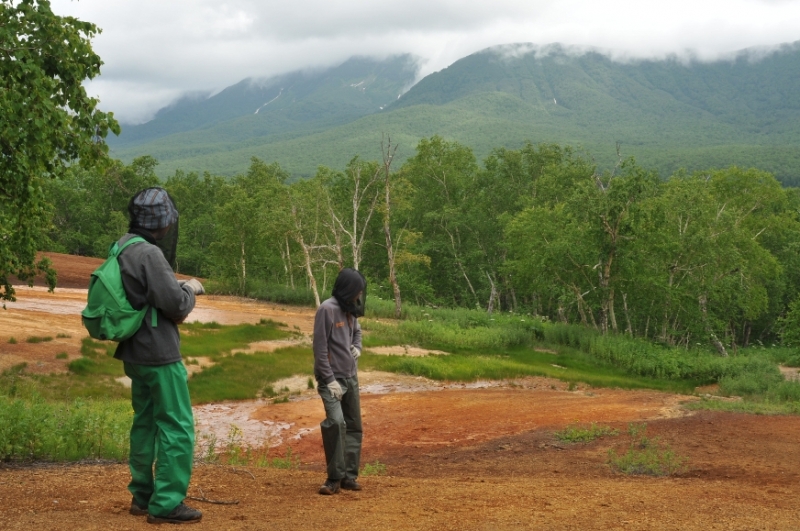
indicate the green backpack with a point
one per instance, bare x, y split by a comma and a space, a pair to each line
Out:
108, 314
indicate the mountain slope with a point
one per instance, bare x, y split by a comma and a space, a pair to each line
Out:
295, 101
669, 114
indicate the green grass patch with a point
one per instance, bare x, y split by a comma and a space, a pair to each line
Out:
645, 455
63, 336
753, 406
38, 339
584, 434
12, 341
97, 359
373, 469
68, 387
214, 340
248, 376
62, 356
569, 365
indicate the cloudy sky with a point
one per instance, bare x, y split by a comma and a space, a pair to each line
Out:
156, 50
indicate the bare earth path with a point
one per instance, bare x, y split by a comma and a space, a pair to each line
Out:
462, 457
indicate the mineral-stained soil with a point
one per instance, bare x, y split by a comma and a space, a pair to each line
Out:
482, 456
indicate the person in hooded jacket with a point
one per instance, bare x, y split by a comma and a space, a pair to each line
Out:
162, 432
337, 346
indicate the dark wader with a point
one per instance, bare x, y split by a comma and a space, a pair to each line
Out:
341, 429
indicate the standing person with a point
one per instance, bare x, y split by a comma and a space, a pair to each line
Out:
337, 346
162, 433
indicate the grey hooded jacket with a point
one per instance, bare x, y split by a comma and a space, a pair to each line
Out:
334, 332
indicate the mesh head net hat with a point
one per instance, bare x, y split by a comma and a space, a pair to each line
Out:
350, 291
152, 209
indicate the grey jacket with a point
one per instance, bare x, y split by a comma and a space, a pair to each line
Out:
148, 279
334, 332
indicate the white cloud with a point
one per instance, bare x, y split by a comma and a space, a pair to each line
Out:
155, 50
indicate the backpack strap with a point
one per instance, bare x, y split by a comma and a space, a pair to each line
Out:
119, 249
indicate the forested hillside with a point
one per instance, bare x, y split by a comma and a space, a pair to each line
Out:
709, 257
300, 102
669, 114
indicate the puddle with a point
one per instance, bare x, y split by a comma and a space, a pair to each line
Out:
229, 422
260, 423
405, 350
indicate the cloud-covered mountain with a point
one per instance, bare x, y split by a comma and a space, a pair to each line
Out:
669, 113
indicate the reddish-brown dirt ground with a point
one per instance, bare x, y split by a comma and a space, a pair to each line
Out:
456, 458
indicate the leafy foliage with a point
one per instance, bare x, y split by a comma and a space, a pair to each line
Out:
48, 123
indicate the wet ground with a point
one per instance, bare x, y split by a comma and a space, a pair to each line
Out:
456, 456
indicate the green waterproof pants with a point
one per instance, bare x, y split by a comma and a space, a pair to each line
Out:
341, 429
162, 434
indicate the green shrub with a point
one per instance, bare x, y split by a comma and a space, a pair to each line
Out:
754, 377
646, 456
39, 430
574, 434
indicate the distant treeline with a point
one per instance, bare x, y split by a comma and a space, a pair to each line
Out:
711, 257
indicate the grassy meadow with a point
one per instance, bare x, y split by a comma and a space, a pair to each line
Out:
86, 412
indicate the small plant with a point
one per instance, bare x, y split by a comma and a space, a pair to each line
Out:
373, 469
282, 400
63, 336
209, 454
12, 341
235, 452
287, 462
62, 356
310, 382
646, 456
38, 339
583, 434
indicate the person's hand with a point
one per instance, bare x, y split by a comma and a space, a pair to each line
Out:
336, 390
195, 286
355, 352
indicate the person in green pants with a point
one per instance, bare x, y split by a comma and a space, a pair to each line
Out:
337, 346
162, 433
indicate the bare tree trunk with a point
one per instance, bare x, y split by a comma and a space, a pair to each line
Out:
561, 314
629, 329
289, 260
244, 271
309, 271
703, 300
611, 311
492, 295
514, 298
388, 154
747, 328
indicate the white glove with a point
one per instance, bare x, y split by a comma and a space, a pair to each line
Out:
336, 390
355, 352
195, 286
